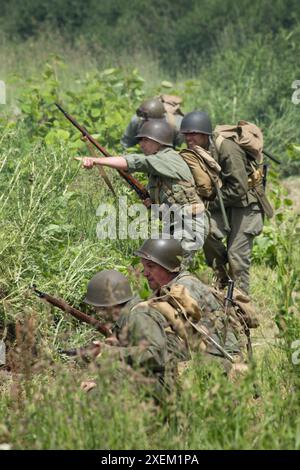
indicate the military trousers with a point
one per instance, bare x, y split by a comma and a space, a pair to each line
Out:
191, 231
229, 254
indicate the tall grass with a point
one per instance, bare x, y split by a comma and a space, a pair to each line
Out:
208, 412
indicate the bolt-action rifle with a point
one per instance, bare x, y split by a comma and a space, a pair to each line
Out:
133, 182
269, 155
65, 307
229, 300
222, 207
229, 295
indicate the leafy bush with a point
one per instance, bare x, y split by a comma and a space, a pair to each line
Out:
292, 163
100, 100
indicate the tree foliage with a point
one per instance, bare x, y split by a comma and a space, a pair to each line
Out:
188, 28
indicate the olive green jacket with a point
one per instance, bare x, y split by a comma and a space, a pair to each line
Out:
143, 341
170, 179
235, 169
212, 313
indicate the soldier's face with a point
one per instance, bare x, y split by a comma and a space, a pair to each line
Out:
156, 275
192, 139
109, 314
149, 146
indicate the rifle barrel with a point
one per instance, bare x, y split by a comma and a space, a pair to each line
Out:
133, 182
269, 155
222, 207
65, 307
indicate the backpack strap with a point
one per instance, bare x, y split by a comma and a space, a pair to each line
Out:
203, 331
218, 142
157, 189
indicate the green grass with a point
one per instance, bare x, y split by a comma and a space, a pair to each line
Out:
207, 413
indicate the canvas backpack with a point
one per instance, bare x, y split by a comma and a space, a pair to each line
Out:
171, 104
205, 170
243, 309
250, 138
172, 107
183, 315
247, 135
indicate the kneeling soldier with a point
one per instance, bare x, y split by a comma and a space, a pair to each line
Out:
139, 337
190, 306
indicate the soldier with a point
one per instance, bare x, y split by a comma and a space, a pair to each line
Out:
151, 109
138, 336
171, 184
243, 210
207, 327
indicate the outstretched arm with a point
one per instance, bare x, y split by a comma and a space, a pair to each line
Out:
113, 162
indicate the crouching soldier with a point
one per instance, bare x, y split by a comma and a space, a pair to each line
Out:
190, 307
139, 337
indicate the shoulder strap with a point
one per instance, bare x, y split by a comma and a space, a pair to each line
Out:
218, 142
203, 331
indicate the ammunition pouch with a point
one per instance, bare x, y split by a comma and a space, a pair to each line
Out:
182, 193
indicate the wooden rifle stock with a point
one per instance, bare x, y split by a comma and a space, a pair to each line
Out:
133, 182
65, 307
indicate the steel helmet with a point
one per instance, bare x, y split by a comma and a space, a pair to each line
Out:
158, 130
108, 288
166, 253
196, 121
151, 109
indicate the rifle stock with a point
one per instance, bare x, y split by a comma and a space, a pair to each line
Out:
65, 307
133, 182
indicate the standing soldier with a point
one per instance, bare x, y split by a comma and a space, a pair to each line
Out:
171, 183
243, 210
154, 108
